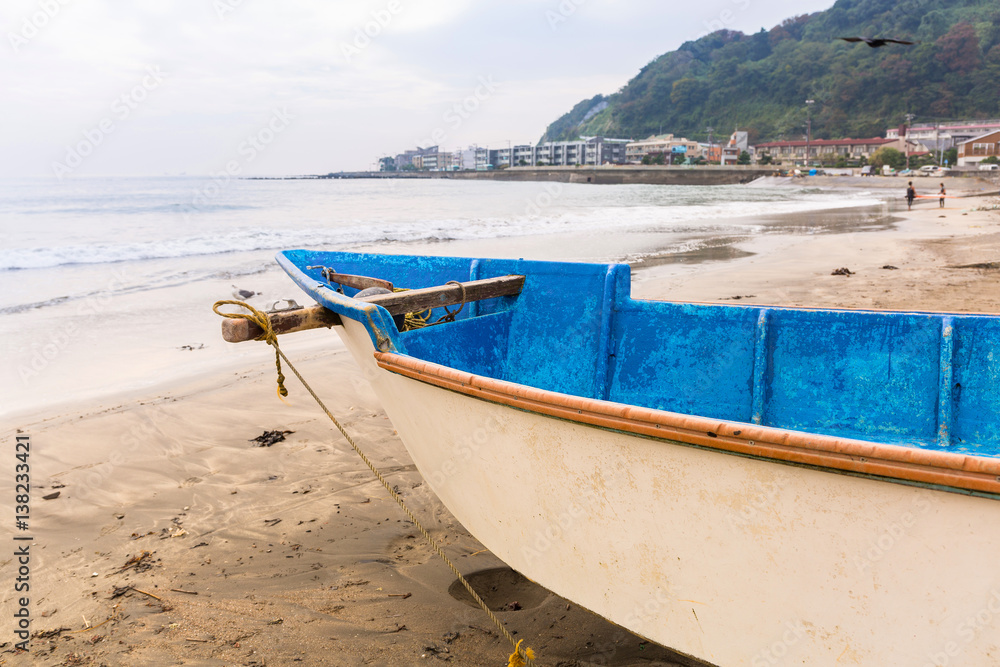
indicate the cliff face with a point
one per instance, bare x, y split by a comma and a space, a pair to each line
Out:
760, 82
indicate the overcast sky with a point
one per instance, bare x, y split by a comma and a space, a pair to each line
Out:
94, 87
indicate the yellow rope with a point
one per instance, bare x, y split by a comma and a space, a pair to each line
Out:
521, 657
264, 322
422, 319
516, 659
414, 320
418, 320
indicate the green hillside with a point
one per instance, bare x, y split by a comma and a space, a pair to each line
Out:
760, 82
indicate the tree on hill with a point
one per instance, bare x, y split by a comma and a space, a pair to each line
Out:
959, 49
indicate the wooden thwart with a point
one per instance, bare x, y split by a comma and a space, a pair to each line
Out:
397, 303
416, 300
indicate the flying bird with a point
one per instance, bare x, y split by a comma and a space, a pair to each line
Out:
876, 42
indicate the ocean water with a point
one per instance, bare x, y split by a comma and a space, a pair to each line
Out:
106, 283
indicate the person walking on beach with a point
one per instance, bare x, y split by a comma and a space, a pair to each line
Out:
911, 193
941, 200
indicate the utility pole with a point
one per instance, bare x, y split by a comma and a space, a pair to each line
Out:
710, 130
937, 143
906, 138
809, 104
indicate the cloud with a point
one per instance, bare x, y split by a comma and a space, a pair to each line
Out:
230, 63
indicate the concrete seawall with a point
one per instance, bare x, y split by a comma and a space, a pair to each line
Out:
706, 175
620, 174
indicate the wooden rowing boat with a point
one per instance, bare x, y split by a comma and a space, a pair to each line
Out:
748, 485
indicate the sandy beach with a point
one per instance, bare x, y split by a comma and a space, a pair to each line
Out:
174, 540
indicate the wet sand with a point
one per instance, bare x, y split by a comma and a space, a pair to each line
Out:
926, 259
174, 541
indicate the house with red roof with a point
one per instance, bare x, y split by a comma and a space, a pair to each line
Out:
851, 149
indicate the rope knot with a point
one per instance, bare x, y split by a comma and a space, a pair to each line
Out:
268, 335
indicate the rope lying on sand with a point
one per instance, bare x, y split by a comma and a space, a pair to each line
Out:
521, 657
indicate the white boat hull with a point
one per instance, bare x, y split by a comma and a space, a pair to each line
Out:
733, 560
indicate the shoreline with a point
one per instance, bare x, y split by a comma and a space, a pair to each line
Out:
660, 175
169, 470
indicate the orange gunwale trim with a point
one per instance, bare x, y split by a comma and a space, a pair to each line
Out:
910, 464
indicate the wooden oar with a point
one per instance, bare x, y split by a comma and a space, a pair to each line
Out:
397, 303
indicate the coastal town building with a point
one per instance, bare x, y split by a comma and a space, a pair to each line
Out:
405, 159
465, 158
493, 158
851, 149
657, 144
602, 150
504, 157
739, 141
712, 152
976, 149
500, 158
941, 136
523, 155
586, 151
436, 161
485, 158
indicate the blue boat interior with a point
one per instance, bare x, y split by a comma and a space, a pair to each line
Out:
928, 380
